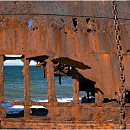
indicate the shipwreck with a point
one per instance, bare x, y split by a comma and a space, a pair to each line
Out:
89, 40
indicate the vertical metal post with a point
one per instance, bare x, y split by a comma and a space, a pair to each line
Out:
2, 109
1, 79
50, 80
75, 80
98, 95
26, 87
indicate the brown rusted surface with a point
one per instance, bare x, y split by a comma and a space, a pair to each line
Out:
65, 116
2, 109
50, 81
1, 79
95, 48
80, 36
26, 87
75, 80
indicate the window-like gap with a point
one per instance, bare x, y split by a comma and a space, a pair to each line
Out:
75, 22
35, 28
86, 90
64, 92
13, 85
66, 33
38, 111
62, 20
38, 84
30, 24
76, 30
87, 20
88, 30
127, 96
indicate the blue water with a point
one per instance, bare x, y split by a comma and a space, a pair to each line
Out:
14, 87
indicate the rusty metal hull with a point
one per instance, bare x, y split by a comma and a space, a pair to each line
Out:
89, 117
80, 31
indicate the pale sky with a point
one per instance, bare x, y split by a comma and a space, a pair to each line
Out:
16, 62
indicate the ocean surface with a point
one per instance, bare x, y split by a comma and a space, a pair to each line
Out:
14, 87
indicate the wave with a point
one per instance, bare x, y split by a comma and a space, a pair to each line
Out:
12, 109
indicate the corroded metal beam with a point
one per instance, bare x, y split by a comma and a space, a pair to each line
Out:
50, 80
2, 109
26, 87
75, 79
1, 78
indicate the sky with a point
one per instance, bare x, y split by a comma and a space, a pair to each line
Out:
18, 62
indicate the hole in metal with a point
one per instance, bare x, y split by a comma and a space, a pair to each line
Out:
88, 30
87, 20
75, 22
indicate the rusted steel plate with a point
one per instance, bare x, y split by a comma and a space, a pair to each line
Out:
80, 8
79, 34
62, 29
71, 62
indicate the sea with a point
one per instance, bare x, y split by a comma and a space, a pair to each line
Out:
14, 88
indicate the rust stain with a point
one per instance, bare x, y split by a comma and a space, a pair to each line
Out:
66, 41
